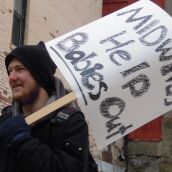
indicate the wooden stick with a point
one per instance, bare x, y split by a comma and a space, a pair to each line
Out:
50, 108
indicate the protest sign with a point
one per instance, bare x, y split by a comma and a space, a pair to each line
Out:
119, 68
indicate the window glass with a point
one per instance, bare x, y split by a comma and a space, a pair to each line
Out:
18, 4
19, 22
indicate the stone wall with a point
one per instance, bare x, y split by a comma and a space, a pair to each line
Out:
145, 156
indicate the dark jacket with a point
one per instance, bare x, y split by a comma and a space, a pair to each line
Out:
55, 146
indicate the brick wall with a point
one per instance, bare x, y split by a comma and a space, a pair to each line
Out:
6, 13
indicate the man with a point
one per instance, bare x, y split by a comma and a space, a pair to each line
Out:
57, 143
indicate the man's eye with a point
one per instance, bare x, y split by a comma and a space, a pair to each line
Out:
21, 69
9, 71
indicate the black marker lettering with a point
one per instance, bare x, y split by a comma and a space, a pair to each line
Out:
84, 63
167, 103
163, 32
133, 17
115, 42
147, 27
97, 96
132, 85
135, 68
119, 53
73, 42
166, 69
95, 76
164, 51
75, 56
168, 90
89, 71
112, 101
121, 130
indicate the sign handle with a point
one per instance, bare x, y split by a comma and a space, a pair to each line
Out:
50, 108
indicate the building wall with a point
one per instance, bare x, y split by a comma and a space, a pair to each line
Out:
50, 19
168, 7
6, 14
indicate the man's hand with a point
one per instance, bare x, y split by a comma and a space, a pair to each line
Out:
3, 118
15, 130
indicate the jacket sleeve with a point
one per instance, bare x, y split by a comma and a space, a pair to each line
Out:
68, 153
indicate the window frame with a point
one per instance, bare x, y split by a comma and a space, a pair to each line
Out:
18, 26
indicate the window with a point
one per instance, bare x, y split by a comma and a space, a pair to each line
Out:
19, 22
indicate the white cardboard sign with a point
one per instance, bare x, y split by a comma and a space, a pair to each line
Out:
120, 68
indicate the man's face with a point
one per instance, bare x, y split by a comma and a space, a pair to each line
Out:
24, 87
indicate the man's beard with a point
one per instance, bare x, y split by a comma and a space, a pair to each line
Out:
31, 97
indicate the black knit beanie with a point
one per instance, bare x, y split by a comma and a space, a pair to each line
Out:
38, 61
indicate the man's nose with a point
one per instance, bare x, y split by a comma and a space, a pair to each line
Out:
13, 75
